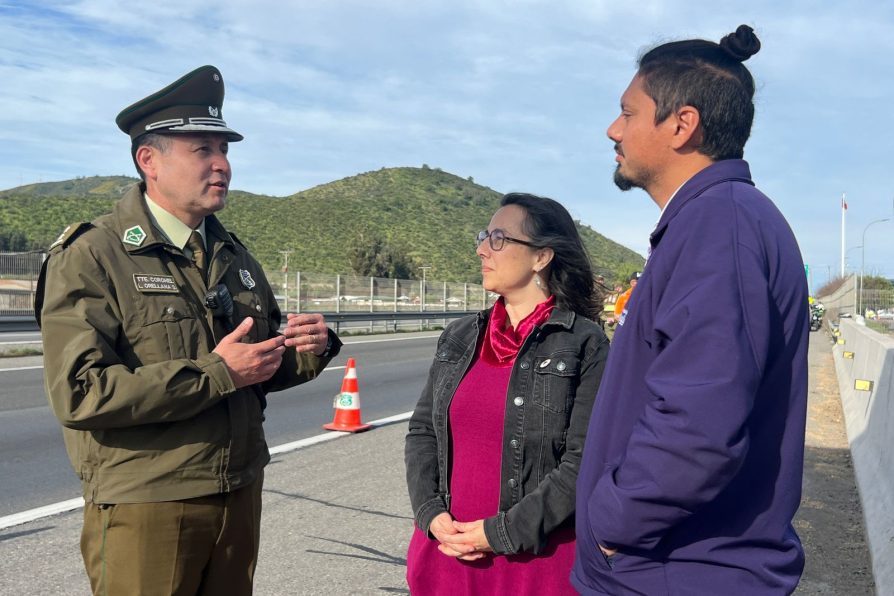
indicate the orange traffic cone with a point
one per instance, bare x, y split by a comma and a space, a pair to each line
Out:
347, 404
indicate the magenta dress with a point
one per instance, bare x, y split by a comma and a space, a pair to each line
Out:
476, 423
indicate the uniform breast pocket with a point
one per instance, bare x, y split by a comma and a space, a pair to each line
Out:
168, 329
248, 304
555, 380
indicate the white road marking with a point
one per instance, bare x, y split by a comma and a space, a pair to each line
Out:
373, 341
70, 505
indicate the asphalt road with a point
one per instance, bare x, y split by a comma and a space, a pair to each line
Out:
337, 518
34, 469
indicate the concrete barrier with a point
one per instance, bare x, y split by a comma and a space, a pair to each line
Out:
864, 356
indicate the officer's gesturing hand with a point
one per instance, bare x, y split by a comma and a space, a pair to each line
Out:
250, 363
307, 332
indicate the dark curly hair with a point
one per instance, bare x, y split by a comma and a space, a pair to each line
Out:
549, 225
711, 78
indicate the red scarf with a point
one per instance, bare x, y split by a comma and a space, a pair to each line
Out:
501, 341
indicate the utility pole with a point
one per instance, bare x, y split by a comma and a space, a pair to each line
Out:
285, 277
422, 297
863, 260
843, 217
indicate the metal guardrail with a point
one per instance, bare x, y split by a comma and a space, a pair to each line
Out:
392, 319
10, 323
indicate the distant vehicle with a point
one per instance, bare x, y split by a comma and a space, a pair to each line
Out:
817, 311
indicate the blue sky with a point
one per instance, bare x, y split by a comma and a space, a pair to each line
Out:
515, 94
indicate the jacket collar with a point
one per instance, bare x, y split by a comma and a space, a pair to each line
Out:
728, 170
559, 317
138, 234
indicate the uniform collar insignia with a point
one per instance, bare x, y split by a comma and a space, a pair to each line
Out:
245, 278
134, 236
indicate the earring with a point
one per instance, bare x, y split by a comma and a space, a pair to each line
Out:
537, 281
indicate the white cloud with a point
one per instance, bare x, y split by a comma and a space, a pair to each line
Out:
515, 94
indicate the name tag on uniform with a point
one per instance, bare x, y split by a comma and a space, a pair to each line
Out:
146, 282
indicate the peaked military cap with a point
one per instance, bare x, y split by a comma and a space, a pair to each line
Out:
193, 103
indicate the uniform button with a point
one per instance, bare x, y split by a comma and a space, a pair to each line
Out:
226, 258
519, 401
561, 366
545, 363
258, 307
442, 354
525, 365
512, 483
170, 310
513, 443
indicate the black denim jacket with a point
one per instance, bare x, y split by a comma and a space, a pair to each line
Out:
551, 392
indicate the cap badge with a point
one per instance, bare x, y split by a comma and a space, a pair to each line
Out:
213, 112
245, 278
134, 236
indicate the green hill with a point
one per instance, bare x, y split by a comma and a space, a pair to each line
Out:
91, 186
424, 214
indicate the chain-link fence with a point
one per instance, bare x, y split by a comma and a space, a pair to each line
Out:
296, 292
848, 300
304, 291
18, 280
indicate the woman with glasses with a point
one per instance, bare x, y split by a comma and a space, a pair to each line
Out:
494, 443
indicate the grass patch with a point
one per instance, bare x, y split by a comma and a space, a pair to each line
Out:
20, 352
880, 327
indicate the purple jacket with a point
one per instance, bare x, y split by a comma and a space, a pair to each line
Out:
694, 454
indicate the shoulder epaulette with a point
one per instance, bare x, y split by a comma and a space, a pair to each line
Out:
69, 234
236, 240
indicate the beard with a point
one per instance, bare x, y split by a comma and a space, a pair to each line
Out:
622, 181
640, 179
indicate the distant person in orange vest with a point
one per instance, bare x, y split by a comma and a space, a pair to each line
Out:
621, 303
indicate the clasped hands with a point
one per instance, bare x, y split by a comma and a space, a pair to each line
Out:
462, 540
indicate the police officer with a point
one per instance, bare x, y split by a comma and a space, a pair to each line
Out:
160, 392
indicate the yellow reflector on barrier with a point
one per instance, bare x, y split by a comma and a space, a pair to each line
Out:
840, 341
849, 355
862, 385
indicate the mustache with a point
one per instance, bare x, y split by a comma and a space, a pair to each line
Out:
618, 149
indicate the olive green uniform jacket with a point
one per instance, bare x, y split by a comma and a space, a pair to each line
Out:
149, 412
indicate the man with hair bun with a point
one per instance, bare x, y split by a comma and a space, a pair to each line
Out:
691, 472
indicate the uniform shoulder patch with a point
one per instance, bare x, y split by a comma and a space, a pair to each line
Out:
70, 233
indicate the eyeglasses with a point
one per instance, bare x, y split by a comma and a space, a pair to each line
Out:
498, 239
